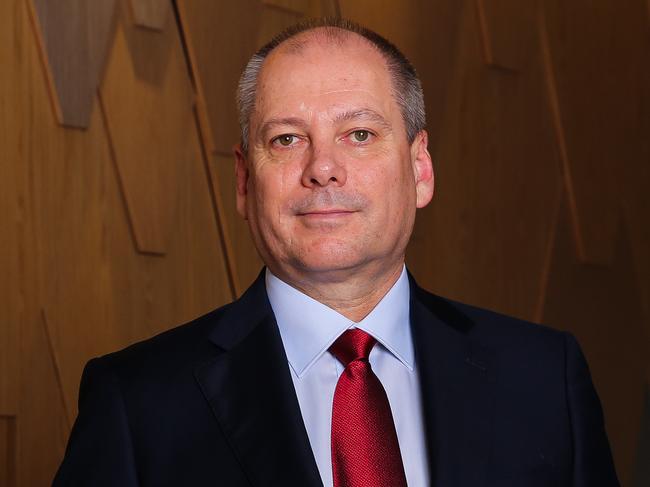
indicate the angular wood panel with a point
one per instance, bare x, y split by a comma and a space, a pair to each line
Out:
596, 48
74, 36
152, 14
99, 292
507, 29
70, 211
220, 40
43, 419
494, 157
147, 99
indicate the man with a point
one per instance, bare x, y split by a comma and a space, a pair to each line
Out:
335, 368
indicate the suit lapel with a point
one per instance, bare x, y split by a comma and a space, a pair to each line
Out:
250, 391
456, 385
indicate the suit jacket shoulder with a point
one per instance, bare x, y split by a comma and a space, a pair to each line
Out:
507, 402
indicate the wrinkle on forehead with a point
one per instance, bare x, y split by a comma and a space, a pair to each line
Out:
348, 90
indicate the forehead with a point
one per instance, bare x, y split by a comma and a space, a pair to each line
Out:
318, 70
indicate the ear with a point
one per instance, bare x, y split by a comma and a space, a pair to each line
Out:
422, 169
241, 179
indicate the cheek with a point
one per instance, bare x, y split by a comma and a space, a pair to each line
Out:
273, 185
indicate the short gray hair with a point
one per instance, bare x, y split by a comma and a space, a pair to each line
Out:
407, 88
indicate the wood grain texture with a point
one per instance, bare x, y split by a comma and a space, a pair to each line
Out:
152, 14
147, 99
220, 41
43, 419
494, 157
307, 8
599, 45
74, 36
292, 6
507, 32
635, 175
272, 21
72, 253
550, 79
14, 224
8, 451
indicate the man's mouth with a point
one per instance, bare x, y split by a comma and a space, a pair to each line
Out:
327, 211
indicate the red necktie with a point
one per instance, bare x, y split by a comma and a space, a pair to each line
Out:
365, 451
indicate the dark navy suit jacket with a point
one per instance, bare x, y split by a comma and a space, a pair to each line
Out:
211, 403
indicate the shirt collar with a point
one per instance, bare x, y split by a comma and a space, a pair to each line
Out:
308, 327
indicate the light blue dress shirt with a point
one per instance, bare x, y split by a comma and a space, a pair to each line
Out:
308, 328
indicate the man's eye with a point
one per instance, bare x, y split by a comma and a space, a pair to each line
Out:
361, 135
285, 140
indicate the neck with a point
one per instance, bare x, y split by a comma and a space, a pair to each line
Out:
354, 296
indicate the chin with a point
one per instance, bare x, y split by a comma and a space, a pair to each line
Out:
330, 256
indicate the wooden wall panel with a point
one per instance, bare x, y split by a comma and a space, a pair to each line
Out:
220, 40
272, 21
43, 418
74, 36
635, 195
495, 156
598, 45
293, 6
8, 448
307, 8
16, 231
71, 252
118, 295
147, 98
152, 14
70, 208
507, 29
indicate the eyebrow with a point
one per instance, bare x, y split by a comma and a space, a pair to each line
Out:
273, 122
362, 113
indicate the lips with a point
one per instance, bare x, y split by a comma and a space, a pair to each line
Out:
326, 212
328, 202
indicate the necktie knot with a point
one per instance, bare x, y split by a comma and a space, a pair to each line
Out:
352, 345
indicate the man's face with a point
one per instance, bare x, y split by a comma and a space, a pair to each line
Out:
330, 183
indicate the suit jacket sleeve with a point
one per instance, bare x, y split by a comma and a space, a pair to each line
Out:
593, 465
100, 451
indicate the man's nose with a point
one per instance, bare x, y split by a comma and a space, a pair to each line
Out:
323, 169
